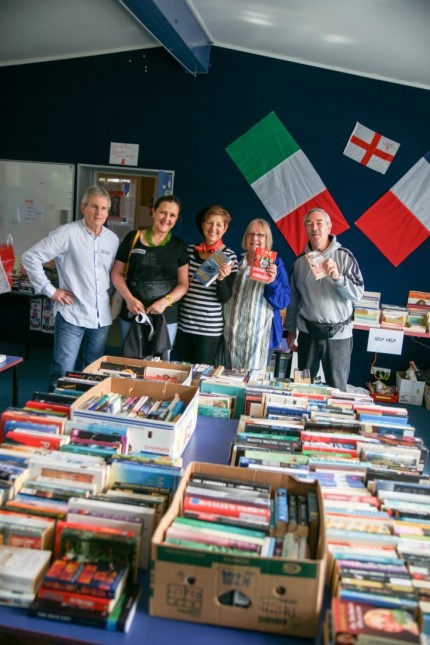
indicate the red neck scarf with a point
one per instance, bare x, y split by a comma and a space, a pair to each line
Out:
208, 248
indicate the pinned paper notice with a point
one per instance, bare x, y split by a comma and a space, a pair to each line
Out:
385, 341
124, 154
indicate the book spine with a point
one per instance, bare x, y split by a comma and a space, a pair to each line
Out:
281, 511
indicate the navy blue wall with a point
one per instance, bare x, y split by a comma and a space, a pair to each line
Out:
70, 111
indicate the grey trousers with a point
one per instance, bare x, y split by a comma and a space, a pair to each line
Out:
334, 356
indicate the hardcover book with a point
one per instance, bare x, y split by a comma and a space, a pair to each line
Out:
262, 260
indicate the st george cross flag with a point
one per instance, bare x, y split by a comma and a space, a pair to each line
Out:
400, 220
284, 179
371, 149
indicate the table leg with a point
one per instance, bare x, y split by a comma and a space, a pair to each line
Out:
15, 387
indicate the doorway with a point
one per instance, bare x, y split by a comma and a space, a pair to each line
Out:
133, 193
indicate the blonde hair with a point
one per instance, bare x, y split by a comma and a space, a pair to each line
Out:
266, 230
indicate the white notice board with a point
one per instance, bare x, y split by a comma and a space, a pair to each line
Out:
35, 198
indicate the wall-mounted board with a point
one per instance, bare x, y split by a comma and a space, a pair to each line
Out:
35, 198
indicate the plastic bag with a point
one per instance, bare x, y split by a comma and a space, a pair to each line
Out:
7, 261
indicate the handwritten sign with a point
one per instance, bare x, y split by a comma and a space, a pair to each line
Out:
385, 341
124, 154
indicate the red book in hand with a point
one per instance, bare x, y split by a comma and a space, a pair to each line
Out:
262, 260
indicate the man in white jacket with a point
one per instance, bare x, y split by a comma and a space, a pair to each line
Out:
321, 310
84, 252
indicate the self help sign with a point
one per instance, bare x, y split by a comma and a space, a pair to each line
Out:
385, 341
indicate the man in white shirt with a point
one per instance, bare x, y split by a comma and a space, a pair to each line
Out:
84, 252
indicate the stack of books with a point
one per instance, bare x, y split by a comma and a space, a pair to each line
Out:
367, 310
418, 318
96, 593
21, 572
393, 316
245, 518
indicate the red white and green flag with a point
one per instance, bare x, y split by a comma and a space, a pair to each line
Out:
399, 221
371, 149
284, 179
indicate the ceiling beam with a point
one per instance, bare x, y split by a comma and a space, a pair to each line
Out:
175, 27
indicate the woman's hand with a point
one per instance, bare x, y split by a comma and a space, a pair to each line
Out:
224, 271
272, 271
157, 307
134, 306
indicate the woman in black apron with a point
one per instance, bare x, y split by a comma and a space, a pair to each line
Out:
157, 271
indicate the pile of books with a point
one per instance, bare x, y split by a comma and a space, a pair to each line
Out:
370, 466
96, 593
418, 318
367, 310
393, 316
242, 532
21, 573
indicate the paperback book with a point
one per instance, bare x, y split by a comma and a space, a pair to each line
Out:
317, 263
208, 271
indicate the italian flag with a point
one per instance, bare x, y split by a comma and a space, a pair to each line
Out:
284, 179
400, 220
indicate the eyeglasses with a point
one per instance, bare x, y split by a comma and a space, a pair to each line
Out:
259, 235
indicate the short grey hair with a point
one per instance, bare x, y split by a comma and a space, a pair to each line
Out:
317, 210
95, 191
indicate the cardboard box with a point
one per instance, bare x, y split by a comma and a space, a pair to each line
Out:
182, 373
284, 596
148, 435
409, 391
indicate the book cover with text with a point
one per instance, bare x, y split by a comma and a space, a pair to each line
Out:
262, 260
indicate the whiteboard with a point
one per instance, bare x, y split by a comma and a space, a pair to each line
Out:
35, 198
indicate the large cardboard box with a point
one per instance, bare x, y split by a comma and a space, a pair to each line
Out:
145, 435
409, 391
181, 373
284, 596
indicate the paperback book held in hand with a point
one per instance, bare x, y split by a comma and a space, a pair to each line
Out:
208, 271
317, 262
262, 260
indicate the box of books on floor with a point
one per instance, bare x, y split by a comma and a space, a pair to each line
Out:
159, 417
142, 369
241, 548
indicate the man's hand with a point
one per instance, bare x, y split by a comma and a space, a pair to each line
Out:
63, 297
291, 341
332, 270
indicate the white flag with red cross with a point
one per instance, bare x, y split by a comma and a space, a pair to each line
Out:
371, 149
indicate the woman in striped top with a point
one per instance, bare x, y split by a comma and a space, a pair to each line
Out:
201, 320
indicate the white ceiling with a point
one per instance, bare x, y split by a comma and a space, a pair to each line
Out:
384, 39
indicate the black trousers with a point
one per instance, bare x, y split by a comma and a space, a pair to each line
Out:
192, 348
334, 355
